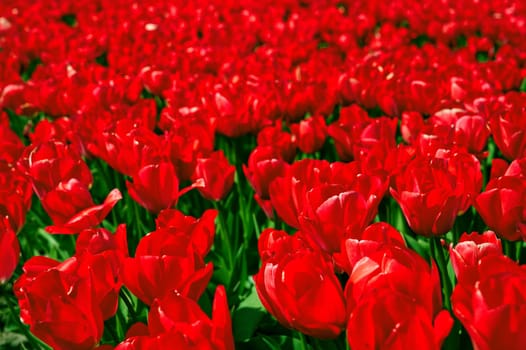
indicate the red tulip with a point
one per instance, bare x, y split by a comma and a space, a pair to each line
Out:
101, 251
177, 322
465, 167
59, 129
282, 142
155, 81
155, 187
333, 213
393, 279
498, 168
377, 136
508, 127
390, 320
264, 165
502, 206
373, 238
72, 210
9, 250
347, 130
59, 306
299, 288
215, 174
428, 195
472, 131
410, 126
201, 231
189, 138
468, 252
493, 308
11, 147
310, 134
48, 164
287, 192
171, 312
516, 168
127, 147
15, 195
162, 253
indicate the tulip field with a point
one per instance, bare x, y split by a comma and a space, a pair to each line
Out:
262, 175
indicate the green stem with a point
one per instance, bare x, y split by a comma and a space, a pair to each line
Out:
438, 254
224, 235
509, 248
112, 332
129, 304
303, 340
518, 251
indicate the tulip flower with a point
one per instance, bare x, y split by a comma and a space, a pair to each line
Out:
310, 134
427, 193
71, 207
502, 206
508, 127
394, 289
200, 230
332, 213
166, 260
9, 250
50, 163
264, 165
53, 299
155, 187
299, 287
216, 176
493, 308
471, 248
178, 322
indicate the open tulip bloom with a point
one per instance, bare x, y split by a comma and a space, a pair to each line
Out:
257, 174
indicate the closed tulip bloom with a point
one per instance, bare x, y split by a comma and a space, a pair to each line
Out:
9, 251
310, 134
166, 260
288, 192
155, 187
60, 307
300, 289
471, 248
390, 320
508, 127
200, 230
493, 308
102, 251
15, 195
177, 322
264, 165
502, 206
393, 298
332, 213
427, 193
472, 131
50, 163
215, 176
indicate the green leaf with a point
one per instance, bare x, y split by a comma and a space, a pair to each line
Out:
265, 342
70, 19
482, 57
10, 340
246, 318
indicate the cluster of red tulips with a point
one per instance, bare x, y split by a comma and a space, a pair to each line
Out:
257, 174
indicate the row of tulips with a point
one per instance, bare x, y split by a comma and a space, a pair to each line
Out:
345, 173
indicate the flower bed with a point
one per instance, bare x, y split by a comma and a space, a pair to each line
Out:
262, 175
